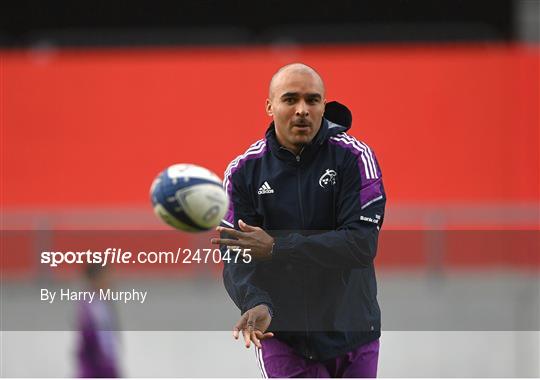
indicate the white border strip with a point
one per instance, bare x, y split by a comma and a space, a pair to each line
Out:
347, 142
227, 223
371, 201
261, 144
260, 361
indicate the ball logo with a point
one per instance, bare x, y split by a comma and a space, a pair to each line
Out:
214, 210
328, 178
211, 213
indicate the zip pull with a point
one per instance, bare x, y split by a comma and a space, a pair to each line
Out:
300, 154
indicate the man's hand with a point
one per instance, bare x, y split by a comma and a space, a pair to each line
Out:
253, 238
253, 325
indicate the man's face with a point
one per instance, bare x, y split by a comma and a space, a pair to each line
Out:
296, 104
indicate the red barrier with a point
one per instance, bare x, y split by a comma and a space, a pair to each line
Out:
93, 127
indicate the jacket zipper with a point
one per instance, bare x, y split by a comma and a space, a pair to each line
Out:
306, 308
299, 178
299, 185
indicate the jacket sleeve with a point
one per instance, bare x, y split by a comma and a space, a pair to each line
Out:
240, 278
360, 205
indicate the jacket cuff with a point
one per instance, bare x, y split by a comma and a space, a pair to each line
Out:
270, 309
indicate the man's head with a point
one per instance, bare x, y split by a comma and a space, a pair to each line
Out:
97, 276
296, 100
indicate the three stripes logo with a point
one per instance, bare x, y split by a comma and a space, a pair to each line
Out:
265, 189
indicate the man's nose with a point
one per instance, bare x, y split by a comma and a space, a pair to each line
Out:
301, 109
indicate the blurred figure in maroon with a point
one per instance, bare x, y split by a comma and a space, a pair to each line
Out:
98, 346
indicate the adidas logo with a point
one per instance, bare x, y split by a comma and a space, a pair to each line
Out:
265, 189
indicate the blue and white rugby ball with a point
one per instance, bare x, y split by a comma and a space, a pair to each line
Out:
189, 197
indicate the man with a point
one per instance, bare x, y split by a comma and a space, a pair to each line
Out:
98, 352
308, 202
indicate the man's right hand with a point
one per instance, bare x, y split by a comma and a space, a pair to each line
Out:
253, 325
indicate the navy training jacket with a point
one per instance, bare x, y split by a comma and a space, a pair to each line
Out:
325, 208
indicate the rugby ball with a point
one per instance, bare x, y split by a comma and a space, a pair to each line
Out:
189, 197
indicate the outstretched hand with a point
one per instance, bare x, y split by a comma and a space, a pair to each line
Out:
253, 325
249, 237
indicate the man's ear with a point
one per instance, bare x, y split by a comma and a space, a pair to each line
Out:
269, 111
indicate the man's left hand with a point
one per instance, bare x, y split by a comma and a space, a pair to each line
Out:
253, 238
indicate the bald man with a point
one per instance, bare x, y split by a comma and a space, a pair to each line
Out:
307, 203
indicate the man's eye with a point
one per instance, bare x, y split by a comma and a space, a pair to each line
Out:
289, 100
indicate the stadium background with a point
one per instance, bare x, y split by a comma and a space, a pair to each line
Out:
98, 98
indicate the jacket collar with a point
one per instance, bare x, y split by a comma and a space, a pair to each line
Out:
327, 130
